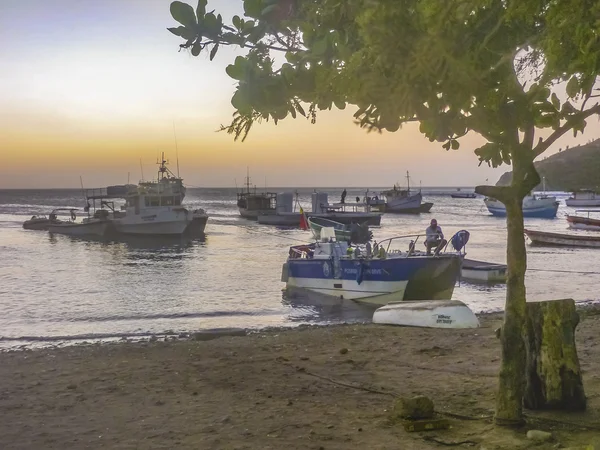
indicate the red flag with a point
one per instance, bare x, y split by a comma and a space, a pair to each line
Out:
303, 220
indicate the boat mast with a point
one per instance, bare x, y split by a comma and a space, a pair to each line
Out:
407, 181
176, 150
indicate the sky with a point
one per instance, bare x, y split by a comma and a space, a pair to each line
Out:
97, 90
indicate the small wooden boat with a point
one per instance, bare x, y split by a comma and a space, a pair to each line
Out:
483, 272
357, 233
562, 240
422, 208
427, 313
584, 223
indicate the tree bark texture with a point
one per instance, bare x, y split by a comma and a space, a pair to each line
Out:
553, 372
509, 398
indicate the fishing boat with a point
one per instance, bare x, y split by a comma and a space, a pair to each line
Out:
89, 226
538, 206
483, 272
402, 201
584, 223
562, 240
583, 197
461, 194
428, 314
336, 269
345, 213
152, 208
359, 234
252, 203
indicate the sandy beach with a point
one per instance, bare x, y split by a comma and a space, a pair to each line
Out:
305, 388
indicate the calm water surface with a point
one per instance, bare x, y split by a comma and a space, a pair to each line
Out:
56, 288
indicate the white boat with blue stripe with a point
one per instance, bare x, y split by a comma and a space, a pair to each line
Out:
335, 269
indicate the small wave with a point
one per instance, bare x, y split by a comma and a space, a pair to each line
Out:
107, 336
198, 315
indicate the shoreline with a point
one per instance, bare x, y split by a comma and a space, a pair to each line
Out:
307, 387
48, 342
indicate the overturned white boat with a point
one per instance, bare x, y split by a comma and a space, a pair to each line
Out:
427, 313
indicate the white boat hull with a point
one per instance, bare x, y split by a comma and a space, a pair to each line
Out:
410, 202
368, 292
152, 228
483, 272
80, 229
583, 226
452, 314
582, 202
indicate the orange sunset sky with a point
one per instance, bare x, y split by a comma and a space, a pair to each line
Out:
88, 88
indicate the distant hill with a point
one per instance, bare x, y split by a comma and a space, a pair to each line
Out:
570, 169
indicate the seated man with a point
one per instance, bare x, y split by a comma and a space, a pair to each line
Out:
434, 237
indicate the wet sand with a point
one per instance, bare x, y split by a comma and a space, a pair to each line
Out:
307, 388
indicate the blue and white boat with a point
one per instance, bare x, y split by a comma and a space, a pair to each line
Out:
540, 206
329, 268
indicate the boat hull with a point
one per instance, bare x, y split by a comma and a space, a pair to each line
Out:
582, 202
410, 202
293, 219
198, 224
541, 210
452, 314
80, 229
162, 228
423, 208
583, 223
562, 240
39, 224
483, 272
463, 195
375, 281
253, 214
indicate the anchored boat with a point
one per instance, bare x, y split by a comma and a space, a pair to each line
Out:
462, 194
402, 201
539, 206
584, 223
373, 276
583, 197
483, 272
562, 240
358, 234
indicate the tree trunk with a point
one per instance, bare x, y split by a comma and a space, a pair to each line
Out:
509, 398
553, 372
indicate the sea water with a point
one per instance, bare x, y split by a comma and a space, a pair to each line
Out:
56, 288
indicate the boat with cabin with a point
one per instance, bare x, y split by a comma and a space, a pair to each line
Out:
374, 275
562, 240
541, 206
583, 197
252, 203
152, 208
584, 223
95, 225
538, 206
402, 201
345, 213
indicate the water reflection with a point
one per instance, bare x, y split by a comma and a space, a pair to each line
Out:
310, 306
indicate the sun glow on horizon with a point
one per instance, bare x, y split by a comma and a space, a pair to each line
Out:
97, 86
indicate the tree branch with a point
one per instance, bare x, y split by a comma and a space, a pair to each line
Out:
543, 145
498, 192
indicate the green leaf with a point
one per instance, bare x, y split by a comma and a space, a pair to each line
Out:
320, 47
237, 22
454, 144
446, 146
269, 9
572, 87
241, 102
213, 52
201, 10
339, 104
253, 8
176, 31
184, 14
300, 109
196, 49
